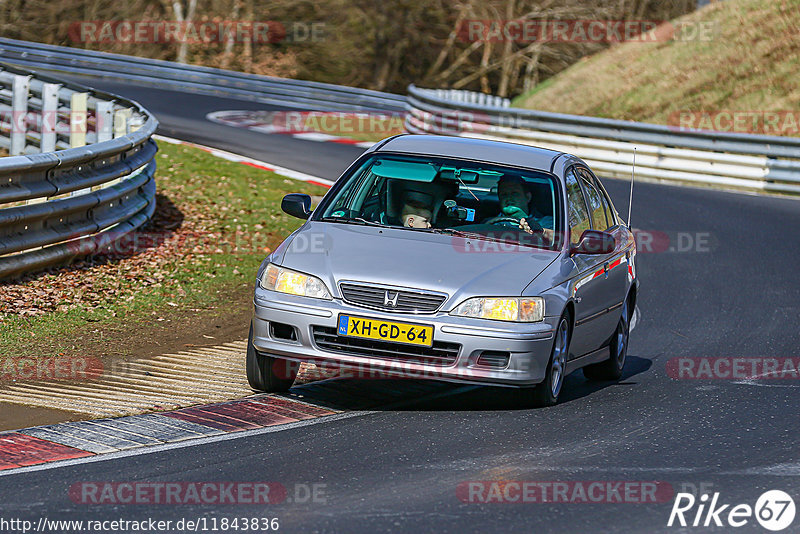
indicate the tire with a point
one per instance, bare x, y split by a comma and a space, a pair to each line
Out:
261, 370
546, 393
611, 369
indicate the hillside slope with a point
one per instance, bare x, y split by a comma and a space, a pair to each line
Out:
750, 64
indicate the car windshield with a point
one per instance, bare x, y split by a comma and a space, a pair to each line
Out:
448, 196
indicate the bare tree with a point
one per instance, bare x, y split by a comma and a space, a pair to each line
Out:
184, 17
379, 44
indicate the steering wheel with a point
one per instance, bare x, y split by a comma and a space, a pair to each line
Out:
514, 222
506, 221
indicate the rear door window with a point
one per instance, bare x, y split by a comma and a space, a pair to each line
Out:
595, 200
578, 214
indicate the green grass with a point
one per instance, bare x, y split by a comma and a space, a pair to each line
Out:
751, 63
230, 206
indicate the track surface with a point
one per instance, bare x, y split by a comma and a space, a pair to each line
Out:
398, 469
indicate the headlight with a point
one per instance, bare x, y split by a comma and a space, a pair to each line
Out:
520, 310
285, 280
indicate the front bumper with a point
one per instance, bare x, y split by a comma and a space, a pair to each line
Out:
528, 345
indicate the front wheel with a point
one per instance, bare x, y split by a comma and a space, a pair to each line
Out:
265, 373
611, 369
546, 393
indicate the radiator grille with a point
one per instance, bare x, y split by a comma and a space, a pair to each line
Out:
405, 301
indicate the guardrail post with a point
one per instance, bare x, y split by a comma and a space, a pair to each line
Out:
19, 112
77, 120
105, 121
49, 117
121, 122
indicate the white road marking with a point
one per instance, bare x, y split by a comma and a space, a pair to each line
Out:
752, 382
230, 156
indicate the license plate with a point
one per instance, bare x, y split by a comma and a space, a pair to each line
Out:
391, 331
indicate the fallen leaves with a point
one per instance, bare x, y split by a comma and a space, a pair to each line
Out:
147, 259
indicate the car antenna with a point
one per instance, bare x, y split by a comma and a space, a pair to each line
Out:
630, 198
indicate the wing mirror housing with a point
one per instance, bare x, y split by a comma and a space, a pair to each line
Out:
297, 205
594, 242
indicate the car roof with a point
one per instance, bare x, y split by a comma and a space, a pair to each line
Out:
498, 152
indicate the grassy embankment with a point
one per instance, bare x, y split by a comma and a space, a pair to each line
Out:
749, 63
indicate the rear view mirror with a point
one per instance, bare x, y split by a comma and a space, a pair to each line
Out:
466, 176
595, 242
297, 205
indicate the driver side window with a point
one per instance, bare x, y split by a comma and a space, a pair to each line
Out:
576, 205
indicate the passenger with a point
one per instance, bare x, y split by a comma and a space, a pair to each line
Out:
514, 200
416, 214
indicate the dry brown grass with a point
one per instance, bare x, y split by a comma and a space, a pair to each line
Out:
752, 63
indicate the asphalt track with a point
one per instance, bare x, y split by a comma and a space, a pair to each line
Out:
732, 293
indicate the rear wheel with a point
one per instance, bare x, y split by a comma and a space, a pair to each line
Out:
546, 393
268, 374
611, 369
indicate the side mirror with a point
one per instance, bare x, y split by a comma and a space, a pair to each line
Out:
595, 242
297, 205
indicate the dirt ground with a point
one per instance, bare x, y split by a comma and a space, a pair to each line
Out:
226, 322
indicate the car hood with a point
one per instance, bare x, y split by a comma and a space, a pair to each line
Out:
457, 266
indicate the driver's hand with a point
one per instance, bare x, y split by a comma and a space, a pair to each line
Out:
523, 224
548, 233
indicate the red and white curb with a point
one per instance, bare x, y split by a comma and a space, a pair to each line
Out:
82, 439
251, 162
258, 121
325, 400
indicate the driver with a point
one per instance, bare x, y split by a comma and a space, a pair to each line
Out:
514, 201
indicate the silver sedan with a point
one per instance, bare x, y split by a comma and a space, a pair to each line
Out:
450, 259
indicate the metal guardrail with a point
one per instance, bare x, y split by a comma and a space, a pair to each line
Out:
751, 162
472, 97
204, 80
80, 170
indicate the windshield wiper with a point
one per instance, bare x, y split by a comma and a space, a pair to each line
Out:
459, 233
475, 235
351, 220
